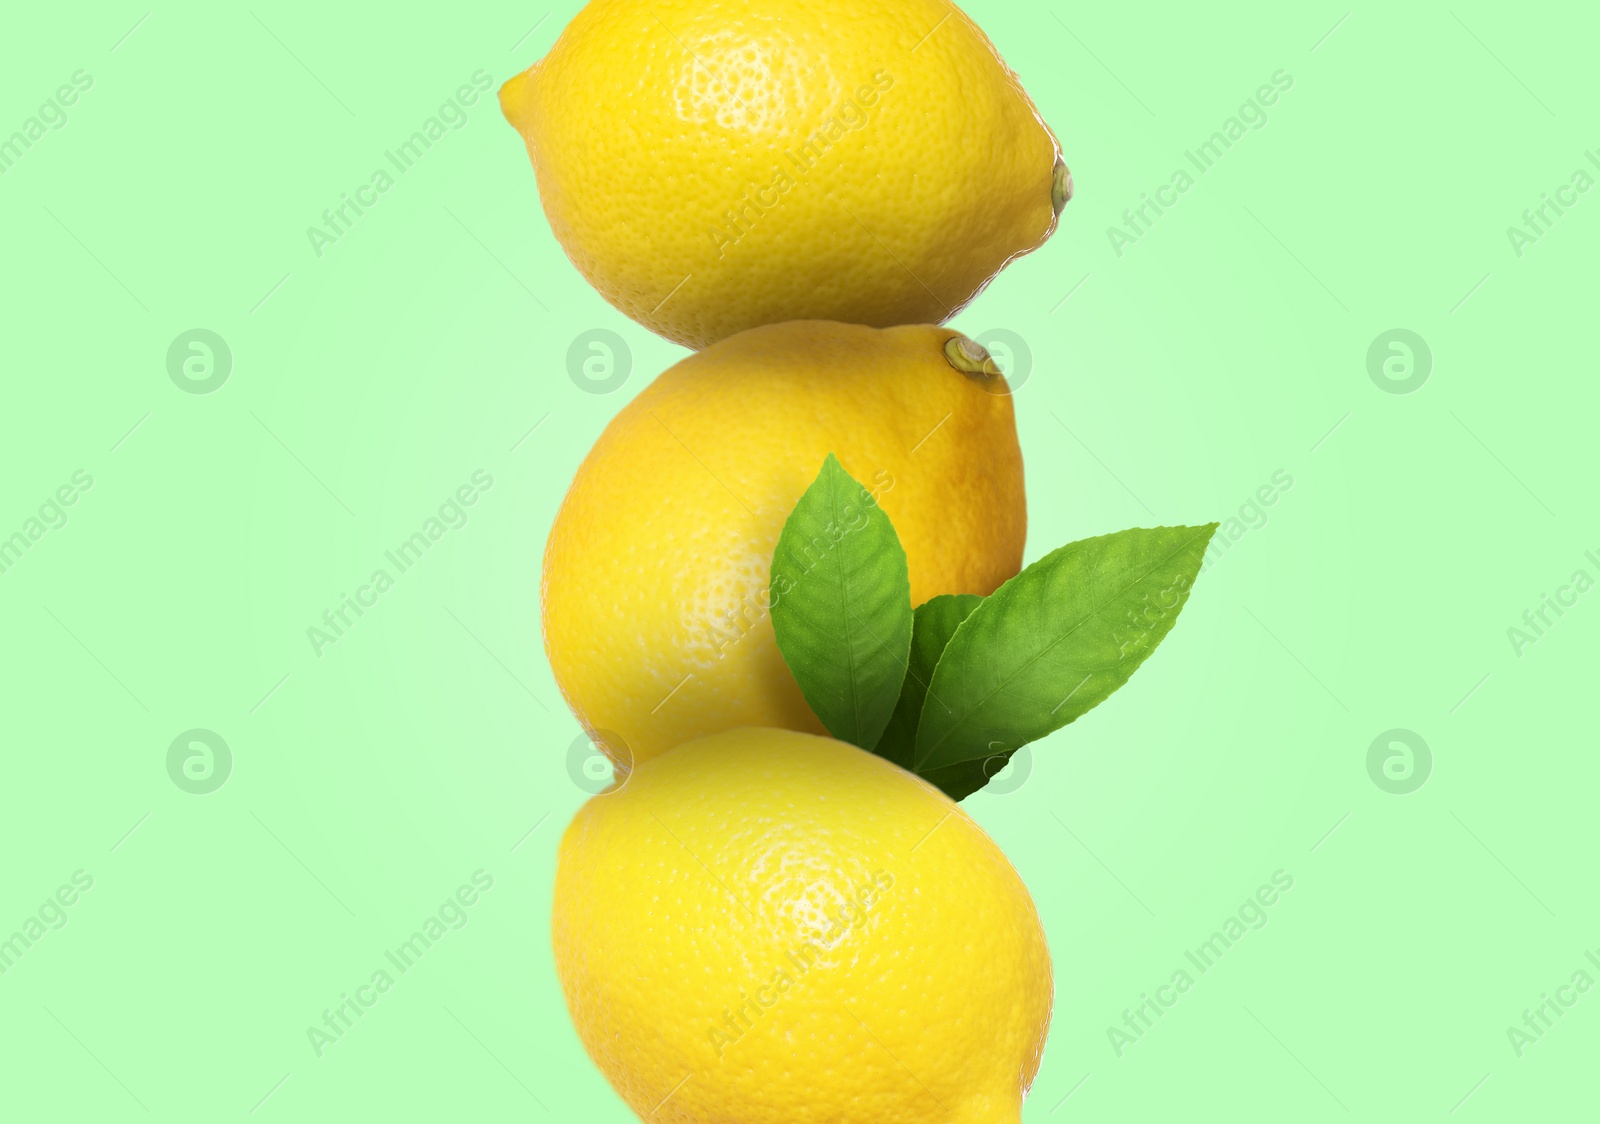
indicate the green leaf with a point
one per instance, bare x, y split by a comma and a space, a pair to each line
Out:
841, 605
1054, 642
933, 624
961, 780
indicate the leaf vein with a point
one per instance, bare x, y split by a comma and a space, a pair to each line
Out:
1030, 661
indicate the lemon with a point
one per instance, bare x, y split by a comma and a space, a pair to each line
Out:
764, 926
656, 572
714, 165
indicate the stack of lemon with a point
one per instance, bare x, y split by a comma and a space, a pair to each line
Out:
757, 923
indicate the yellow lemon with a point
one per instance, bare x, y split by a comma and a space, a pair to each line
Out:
769, 927
657, 568
714, 165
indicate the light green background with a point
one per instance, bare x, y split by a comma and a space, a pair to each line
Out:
1167, 385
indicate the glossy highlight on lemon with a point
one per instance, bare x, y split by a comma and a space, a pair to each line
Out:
714, 165
656, 577
770, 927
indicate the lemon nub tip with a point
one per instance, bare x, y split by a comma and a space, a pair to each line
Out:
514, 100
1061, 187
971, 358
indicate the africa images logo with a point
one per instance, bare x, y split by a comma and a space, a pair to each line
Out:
452, 116
52, 113
811, 953
1140, 219
853, 114
1539, 220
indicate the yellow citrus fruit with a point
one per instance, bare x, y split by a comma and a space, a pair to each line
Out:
768, 927
714, 165
657, 568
